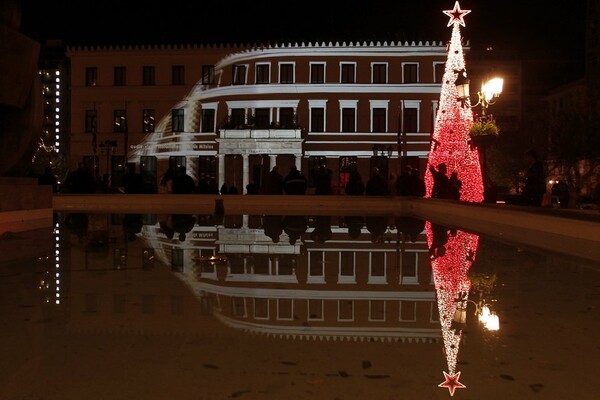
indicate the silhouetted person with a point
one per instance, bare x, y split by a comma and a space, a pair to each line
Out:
132, 180
560, 191
410, 226
323, 181
274, 182
454, 186
166, 180
376, 225
48, 178
535, 180
355, 185
232, 190
377, 184
183, 183
441, 182
80, 181
224, 189
295, 182
252, 188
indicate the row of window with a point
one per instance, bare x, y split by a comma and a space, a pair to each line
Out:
347, 74
345, 309
149, 75
261, 118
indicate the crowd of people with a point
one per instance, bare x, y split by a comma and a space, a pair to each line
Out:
446, 184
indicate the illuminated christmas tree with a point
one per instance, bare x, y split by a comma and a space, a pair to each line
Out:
450, 141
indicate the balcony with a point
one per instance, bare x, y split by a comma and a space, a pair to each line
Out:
250, 133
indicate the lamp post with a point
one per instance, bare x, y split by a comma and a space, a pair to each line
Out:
107, 147
482, 139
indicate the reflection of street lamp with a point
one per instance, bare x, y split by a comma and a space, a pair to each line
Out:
488, 319
485, 124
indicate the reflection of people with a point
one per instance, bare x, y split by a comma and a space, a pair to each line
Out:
355, 224
376, 225
132, 225
182, 224
438, 243
410, 226
535, 180
295, 226
273, 226
322, 231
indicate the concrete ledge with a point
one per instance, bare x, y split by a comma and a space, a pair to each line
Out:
25, 220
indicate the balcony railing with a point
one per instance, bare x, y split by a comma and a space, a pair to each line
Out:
251, 133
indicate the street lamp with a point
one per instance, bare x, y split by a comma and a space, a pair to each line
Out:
484, 130
488, 95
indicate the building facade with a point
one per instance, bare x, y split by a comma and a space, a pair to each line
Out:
231, 113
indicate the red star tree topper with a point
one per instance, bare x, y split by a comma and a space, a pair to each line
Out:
450, 139
452, 382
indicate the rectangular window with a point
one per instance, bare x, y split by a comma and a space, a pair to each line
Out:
263, 73
345, 310
285, 309
439, 71
120, 121
410, 73
379, 116
177, 75
408, 310
378, 264
286, 73
148, 75
91, 76
315, 309
347, 263
409, 119
208, 74
347, 73
119, 76
208, 120
261, 308
238, 306
377, 310
379, 73
239, 74
316, 263
91, 120
286, 118
262, 118
317, 73
148, 120
207, 168
177, 119
317, 119
238, 118
348, 120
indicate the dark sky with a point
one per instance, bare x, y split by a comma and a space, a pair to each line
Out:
531, 26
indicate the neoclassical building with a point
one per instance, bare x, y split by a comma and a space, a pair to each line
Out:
231, 113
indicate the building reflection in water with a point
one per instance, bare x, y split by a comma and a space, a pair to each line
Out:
324, 278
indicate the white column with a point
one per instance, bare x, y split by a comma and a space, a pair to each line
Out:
272, 161
245, 173
299, 163
221, 160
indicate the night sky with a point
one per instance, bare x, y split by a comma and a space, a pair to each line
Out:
533, 27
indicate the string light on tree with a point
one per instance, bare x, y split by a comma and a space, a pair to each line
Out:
450, 140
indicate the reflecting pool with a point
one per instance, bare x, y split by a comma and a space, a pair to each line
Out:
174, 306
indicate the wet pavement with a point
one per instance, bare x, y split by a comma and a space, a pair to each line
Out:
116, 307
